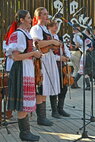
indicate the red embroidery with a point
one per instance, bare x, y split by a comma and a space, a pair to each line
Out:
48, 37
13, 38
87, 41
27, 98
29, 85
29, 94
29, 109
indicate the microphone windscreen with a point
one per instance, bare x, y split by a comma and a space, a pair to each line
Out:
58, 15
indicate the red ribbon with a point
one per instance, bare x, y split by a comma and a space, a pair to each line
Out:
12, 29
34, 21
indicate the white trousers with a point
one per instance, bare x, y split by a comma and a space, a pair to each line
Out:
75, 59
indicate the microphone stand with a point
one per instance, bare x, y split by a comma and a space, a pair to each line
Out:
4, 94
84, 134
91, 31
92, 118
57, 13
78, 11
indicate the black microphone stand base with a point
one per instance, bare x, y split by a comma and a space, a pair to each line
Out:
84, 136
5, 123
92, 119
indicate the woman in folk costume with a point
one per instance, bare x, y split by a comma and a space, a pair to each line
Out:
64, 54
19, 51
50, 83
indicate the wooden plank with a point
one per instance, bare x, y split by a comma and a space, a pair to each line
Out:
0, 25
13, 3
17, 5
33, 8
2, 139
65, 16
3, 24
92, 13
21, 4
0, 106
25, 5
10, 7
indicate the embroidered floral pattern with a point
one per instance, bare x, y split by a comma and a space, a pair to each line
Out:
29, 98
13, 38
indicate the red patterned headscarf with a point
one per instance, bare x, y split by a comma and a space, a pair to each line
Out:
12, 29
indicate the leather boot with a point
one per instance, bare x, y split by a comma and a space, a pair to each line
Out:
25, 134
41, 115
53, 101
76, 78
87, 84
61, 99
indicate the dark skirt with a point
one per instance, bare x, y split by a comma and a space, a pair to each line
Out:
15, 87
90, 63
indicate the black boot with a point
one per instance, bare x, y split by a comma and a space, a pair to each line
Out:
87, 84
76, 78
41, 115
61, 99
53, 101
25, 134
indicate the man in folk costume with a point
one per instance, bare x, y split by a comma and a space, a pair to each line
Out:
88, 49
50, 85
77, 47
21, 88
58, 109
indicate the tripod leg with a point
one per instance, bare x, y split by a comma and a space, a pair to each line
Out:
5, 124
84, 136
0, 108
78, 139
85, 125
91, 138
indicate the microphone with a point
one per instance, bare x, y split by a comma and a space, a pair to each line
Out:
78, 11
56, 14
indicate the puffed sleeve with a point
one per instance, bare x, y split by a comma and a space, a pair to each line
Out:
36, 32
67, 51
79, 40
17, 42
57, 57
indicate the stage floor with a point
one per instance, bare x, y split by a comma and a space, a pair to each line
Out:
64, 129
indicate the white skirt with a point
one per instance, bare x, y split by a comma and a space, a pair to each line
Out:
51, 81
81, 68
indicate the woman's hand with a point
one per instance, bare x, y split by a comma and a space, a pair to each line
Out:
64, 59
37, 54
56, 43
14, 54
90, 49
17, 56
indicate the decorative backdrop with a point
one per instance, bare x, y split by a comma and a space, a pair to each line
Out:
86, 14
